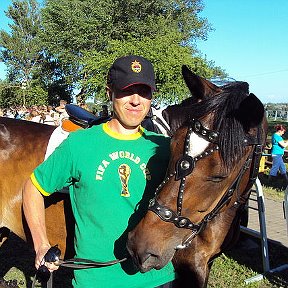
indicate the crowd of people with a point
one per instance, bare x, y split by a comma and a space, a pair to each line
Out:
46, 114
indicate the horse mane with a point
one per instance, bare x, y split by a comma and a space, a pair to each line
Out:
225, 110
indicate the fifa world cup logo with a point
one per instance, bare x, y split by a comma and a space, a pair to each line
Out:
124, 174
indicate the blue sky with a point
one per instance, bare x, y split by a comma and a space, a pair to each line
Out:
249, 41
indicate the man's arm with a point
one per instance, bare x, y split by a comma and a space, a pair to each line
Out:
34, 211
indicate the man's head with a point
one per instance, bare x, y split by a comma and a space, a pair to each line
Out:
130, 84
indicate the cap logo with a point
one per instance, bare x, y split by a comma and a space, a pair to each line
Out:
136, 67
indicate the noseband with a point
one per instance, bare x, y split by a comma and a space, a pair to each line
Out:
185, 165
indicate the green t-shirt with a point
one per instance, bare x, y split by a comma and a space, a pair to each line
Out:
111, 178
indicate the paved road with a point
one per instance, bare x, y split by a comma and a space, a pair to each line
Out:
276, 224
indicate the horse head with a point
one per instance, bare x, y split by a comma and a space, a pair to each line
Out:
215, 153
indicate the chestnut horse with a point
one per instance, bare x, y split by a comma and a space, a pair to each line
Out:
215, 156
22, 147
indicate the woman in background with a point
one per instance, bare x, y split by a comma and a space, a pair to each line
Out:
278, 147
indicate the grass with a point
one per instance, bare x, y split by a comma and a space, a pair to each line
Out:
229, 270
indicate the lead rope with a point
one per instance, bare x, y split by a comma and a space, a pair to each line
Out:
53, 255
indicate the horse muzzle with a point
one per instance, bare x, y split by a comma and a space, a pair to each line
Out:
145, 255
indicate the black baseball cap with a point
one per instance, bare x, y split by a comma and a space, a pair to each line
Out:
131, 70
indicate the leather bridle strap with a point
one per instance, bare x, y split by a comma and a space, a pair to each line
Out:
79, 263
168, 215
52, 256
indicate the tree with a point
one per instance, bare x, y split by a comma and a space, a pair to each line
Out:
167, 58
72, 27
31, 69
87, 35
21, 51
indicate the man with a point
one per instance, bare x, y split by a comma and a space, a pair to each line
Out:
110, 182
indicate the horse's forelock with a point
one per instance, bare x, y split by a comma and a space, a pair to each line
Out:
231, 130
222, 107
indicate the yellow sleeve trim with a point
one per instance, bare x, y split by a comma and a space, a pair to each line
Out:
37, 185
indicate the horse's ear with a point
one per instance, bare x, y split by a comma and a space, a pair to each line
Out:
198, 86
251, 112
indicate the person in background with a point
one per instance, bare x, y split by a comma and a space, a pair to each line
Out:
34, 116
278, 147
8, 113
110, 182
20, 112
61, 112
61, 108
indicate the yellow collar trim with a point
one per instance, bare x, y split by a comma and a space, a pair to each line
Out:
119, 136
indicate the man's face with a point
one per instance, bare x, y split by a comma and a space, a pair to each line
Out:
131, 105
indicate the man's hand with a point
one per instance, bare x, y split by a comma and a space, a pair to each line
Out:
40, 258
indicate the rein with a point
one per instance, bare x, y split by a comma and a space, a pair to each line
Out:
185, 165
53, 256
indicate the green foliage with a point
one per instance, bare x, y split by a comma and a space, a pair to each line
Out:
22, 54
72, 43
36, 96
87, 36
9, 95
20, 50
74, 26
227, 272
26, 60
167, 57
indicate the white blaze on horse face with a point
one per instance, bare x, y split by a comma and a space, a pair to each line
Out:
197, 145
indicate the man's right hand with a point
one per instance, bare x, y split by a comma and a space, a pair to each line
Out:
40, 258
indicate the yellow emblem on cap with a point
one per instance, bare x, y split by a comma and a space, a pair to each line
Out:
136, 67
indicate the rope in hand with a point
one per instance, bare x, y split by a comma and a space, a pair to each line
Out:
53, 256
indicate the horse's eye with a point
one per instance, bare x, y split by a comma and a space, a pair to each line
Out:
201, 211
217, 179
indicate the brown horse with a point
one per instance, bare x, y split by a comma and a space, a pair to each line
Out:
214, 161
22, 147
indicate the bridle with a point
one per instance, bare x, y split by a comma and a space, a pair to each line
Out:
185, 165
